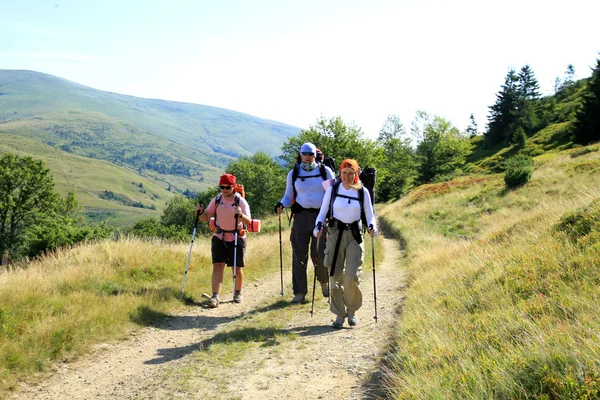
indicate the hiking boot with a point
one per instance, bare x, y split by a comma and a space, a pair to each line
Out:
325, 289
213, 302
238, 297
352, 320
298, 299
338, 323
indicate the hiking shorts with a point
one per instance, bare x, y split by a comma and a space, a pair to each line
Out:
222, 252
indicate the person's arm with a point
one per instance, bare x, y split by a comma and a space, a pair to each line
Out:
243, 212
320, 221
205, 214
288, 196
369, 213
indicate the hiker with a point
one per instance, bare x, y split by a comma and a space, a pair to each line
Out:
304, 194
347, 217
224, 207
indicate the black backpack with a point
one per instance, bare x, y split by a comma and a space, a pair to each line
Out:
368, 176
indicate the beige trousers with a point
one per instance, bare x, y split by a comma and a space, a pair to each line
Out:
345, 294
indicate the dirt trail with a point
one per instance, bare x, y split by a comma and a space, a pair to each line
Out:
320, 363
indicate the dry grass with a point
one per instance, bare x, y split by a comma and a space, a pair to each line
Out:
508, 310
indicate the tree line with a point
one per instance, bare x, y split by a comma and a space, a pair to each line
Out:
33, 218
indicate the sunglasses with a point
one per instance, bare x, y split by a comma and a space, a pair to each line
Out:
226, 187
307, 154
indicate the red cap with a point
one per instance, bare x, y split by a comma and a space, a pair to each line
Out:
227, 179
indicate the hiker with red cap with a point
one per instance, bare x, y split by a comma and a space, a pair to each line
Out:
347, 204
225, 207
304, 194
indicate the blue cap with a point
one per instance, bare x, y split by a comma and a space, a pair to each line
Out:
308, 148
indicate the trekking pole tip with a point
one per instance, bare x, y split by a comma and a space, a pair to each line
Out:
375, 318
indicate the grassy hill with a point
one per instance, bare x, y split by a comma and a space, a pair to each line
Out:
503, 291
169, 145
502, 299
27, 94
94, 180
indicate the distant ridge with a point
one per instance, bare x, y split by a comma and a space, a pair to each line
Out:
27, 94
166, 146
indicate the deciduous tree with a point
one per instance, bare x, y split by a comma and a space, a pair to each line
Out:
26, 193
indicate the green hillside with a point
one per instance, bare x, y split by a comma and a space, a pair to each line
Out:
27, 94
164, 145
133, 196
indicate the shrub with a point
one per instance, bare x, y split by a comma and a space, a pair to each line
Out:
580, 223
518, 170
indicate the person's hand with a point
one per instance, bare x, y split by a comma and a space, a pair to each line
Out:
318, 231
278, 207
238, 211
371, 230
200, 208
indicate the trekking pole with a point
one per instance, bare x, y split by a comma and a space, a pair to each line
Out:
312, 307
235, 240
190, 252
280, 254
374, 286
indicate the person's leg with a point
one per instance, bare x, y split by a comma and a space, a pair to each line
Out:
300, 238
352, 276
336, 306
239, 278
219, 258
217, 277
318, 256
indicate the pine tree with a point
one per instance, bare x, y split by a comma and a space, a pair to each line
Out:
472, 127
502, 113
527, 115
587, 125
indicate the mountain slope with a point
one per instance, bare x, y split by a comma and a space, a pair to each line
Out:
176, 146
26, 94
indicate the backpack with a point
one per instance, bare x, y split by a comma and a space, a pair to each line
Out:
368, 176
328, 161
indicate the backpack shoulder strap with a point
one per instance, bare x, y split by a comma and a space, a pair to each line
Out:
295, 173
363, 216
323, 171
217, 201
334, 192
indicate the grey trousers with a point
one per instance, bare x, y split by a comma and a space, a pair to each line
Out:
301, 238
346, 296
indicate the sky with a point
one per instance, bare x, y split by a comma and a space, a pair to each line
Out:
298, 61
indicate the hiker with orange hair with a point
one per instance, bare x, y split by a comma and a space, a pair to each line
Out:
347, 204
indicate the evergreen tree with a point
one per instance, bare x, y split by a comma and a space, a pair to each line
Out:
472, 127
527, 114
502, 113
529, 88
587, 125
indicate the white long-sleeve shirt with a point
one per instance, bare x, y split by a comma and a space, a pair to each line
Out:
309, 191
347, 210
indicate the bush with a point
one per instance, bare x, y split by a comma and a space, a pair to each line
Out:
518, 170
580, 223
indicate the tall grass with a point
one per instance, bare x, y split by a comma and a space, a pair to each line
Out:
501, 303
67, 301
